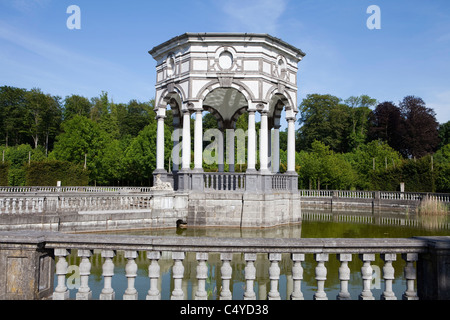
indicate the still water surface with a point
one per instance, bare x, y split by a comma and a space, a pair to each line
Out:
319, 225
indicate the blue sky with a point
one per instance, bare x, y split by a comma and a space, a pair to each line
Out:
409, 55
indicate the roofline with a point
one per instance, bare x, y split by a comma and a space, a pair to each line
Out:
188, 35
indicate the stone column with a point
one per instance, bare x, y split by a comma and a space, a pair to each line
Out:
388, 275
108, 272
131, 274
274, 276
153, 273
160, 116
61, 292
84, 292
366, 275
186, 143
344, 275
202, 275
226, 272
321, 276
276, 148
198, 141
183, 174
293, 176
252, 177
263, 144
197, 174
177, 275
411, 276
250, 276
291, 145
230, 149
251, 157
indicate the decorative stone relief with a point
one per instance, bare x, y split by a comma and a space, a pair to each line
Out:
160, 185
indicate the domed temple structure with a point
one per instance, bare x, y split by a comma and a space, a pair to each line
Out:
227, 74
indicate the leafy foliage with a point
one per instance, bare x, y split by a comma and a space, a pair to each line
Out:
47, 173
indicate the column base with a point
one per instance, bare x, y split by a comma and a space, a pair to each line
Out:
252, 181
61, 295
83, 295
197, 182
184, 180
107, 296
292, 181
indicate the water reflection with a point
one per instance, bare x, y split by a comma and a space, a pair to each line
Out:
319, 226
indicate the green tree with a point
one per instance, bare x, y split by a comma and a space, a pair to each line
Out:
359, 115
442, 166
140, 156
323, 118
323, 167
373, 156
444, 134
42, 116
81, 137
12, 109
76, 105
421, 128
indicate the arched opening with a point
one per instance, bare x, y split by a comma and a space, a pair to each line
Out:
222, 140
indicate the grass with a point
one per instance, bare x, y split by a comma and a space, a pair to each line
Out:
433, 207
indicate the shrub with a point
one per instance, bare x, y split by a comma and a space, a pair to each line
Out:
47, 173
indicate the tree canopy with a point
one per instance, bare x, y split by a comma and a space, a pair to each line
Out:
352, 143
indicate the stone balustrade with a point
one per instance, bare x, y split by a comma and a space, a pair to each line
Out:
224, 181
64, 189
425, 272
70, 202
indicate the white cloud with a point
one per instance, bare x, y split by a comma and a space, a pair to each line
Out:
26, 6
259, 16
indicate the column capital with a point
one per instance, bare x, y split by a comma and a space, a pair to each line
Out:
289, 119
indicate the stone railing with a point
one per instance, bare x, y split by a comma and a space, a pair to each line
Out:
71, 189
224, 181
280, 182
66, 202
383, 195
23, 252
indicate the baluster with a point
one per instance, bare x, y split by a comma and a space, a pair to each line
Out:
321, 276
250, 276
274, 275
410, 276
177, 274
226, 272
20, 205
61, 292
388, 275
108, 272
297, 276
366, 274
131, 273
202, 275
344, 276
153, 273
84, 292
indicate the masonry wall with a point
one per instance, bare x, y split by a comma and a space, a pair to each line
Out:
243, 209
